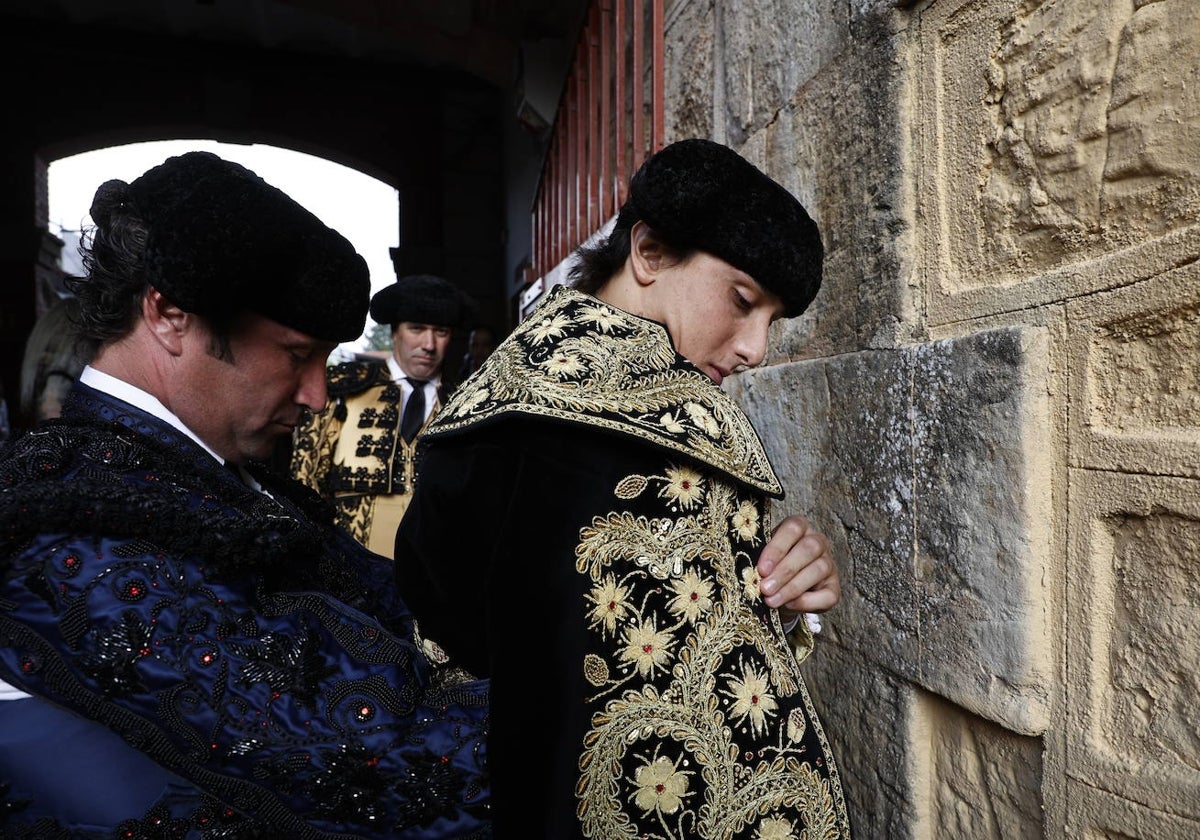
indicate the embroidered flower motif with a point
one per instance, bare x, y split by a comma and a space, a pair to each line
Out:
693, 596
775, 828
752, 699
670, 422
477, 398
661, 787
550, 328
563, 365
684, 487
603, 318
703, 419
608, 604
646, 647
745, 521
750, 581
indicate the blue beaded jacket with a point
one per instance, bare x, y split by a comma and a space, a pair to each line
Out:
255, 653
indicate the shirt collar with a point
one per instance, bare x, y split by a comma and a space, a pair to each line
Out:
138, 398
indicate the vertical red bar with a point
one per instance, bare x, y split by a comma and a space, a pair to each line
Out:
593, 121
561, 197
658, 74
637, 83
620, 146
535, 224
580, 135
607, 38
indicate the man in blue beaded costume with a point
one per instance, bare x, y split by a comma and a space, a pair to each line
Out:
358, 451
619, 581
189, 647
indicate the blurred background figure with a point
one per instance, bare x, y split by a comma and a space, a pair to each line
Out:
480, 345
54, 356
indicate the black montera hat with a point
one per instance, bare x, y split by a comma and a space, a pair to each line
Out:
421, 299
222, 240
700, 194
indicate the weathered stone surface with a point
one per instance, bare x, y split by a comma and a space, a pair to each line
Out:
923, 471
981, 488
1135, 382
1133, 669
983, 781
762, 68
1063, 131
1152, 713
1094, 814
865, 712
689, 53
826, 147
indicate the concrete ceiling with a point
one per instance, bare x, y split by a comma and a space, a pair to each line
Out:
482, 38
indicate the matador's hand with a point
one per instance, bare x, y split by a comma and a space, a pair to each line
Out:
796, 570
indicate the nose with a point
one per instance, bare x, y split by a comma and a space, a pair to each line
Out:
311, 391
752, 343
428, 341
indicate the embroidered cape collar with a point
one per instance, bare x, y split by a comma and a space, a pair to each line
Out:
580, 360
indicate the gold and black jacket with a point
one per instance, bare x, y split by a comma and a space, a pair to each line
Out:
585, 532
352, 452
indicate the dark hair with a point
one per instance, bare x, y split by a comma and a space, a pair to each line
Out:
110, 292
596, 264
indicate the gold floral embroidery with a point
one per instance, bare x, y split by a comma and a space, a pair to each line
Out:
684, 487
745, 521
752, 698
608, 605
660, 786
701, 724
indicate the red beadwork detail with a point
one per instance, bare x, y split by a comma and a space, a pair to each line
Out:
647, 648
445, 759
373, 761
145, 651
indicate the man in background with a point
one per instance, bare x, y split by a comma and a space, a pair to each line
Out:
357, 451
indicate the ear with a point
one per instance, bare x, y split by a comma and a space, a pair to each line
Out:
647, 254
167, 322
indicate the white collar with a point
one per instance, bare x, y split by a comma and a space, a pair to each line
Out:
138, 398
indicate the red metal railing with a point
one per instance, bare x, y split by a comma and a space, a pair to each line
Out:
600, 133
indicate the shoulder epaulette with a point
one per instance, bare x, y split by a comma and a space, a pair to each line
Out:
356, 376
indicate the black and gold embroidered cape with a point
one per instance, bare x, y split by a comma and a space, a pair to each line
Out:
590, 511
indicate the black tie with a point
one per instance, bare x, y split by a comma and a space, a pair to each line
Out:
414, 410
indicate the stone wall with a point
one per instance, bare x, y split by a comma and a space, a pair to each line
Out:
993, 407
